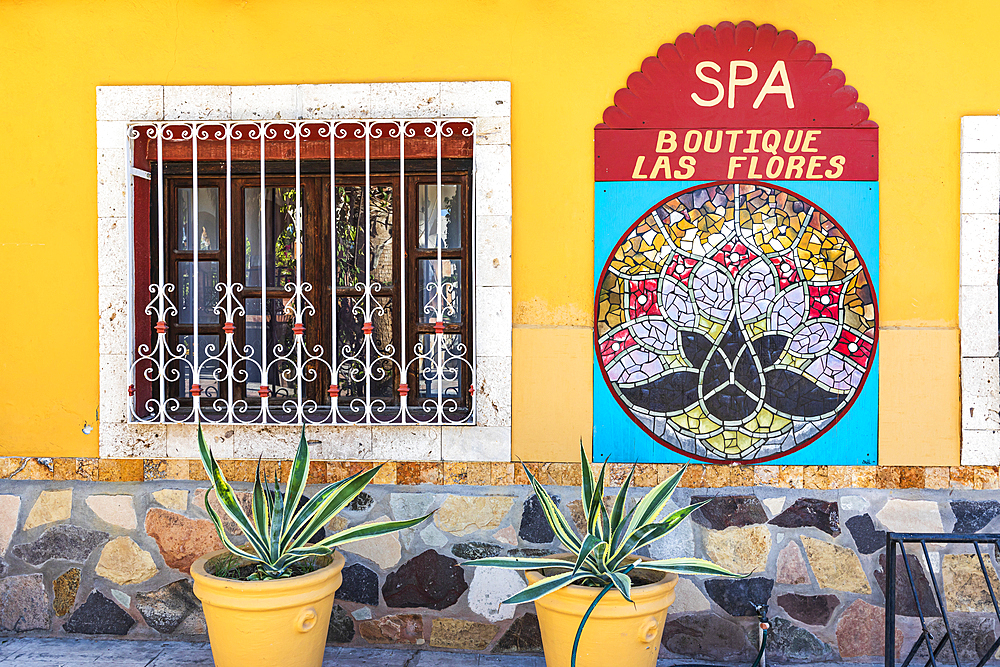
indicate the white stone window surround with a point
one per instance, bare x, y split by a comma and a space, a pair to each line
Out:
978, 293
488, 102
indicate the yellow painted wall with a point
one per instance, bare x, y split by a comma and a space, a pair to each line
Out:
918, 66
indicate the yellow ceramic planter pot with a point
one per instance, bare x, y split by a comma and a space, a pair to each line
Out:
267, 623
617, 632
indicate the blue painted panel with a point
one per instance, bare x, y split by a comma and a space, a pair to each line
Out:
854, 205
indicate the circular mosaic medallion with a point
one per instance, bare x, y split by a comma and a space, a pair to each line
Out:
735, 322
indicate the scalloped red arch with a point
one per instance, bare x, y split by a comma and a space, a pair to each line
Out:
660, 94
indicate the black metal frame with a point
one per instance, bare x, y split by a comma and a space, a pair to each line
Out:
892, 540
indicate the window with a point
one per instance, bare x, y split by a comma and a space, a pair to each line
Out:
289, 283
251, 321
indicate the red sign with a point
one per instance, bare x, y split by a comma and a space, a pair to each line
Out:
737, 103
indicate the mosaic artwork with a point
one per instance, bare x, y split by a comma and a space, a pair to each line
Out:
735, 322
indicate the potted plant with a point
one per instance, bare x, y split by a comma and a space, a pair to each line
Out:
268, 602
623, 596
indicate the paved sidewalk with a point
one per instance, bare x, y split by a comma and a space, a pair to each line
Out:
40, 652
34, 652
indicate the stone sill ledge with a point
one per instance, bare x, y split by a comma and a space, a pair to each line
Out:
477, 473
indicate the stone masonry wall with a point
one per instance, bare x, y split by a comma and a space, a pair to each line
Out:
112, 558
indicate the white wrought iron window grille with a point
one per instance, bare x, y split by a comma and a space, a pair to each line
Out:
303, 271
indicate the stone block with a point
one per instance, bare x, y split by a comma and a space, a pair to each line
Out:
64, 589
911, 516
809, 609
172, 499
114, 400
113, 326
507, 536
738, 597
263, 102
361, 503
83, 469
476, 443
384, 550
112, 134
493, 130
523, 636
980, 183
464, 635
973, 637
811, 512
706, 637
774, 505
112, 253
181, 540
461, 515
965, 585
433, 537
836, 567
489, 588
344, 100
470, 99
341, 628
112, 183
866, 538
534, 526
688, 599
787, 642
63, 542
120, 470
124, 103
114, 510
978, 448
24, 604
128, 440
124, 600
980, 134
861, 631
124, 562
906, 604
978, 320
197, 103
724, 511
360, 584
493, 312
407, 443
166, 608
345, 442
740, 549
419, 472
50, 506
396, 629
791, 566
10, 508
99, 616
493, 375
979, 247
429, 580
493, 250
406, 100
493, 183
971, 516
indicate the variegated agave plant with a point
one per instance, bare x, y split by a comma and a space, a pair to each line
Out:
278, 534
601, 558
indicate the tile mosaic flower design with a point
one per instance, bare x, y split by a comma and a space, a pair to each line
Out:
735, 322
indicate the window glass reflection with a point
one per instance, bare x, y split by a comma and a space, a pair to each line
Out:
279, 236
451, 216
207, 232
